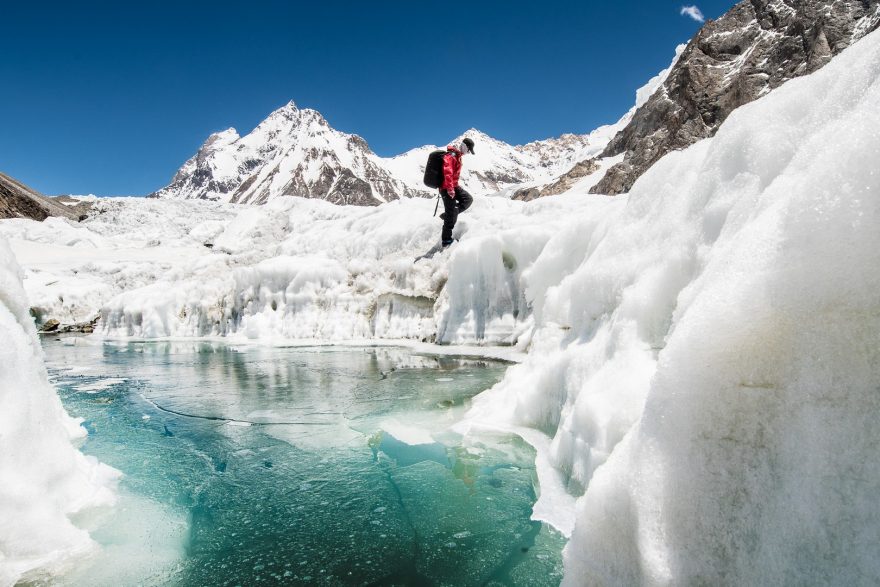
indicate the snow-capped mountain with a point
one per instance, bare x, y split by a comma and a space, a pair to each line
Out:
296, 152
588, 167
292, 152
752, 49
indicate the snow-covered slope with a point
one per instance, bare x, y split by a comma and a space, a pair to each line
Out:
295, 152
43, 478
72, 269
307, 269
497, 166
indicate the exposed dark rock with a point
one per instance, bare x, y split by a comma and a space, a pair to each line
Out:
55, 327
50, 326
19, 201
751, 50
563, 184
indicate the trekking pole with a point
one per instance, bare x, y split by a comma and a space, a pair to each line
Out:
437, 205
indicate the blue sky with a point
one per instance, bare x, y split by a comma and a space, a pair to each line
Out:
112, 97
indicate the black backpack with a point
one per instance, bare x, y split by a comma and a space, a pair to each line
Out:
434, 169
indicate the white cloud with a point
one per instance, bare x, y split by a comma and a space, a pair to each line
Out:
694, 12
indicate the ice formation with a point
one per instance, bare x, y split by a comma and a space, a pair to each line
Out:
45, 479
706, 362
72, 269
306, 269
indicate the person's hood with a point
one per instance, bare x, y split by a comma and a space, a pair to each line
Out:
453, 149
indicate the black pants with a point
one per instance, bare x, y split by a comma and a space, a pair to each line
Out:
452, 206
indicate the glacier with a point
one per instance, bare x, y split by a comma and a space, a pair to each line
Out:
45, 479
701, 356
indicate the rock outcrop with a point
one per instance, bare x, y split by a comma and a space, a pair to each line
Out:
19, 201
755, 47
564, 183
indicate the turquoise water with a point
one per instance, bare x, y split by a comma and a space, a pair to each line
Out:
300, 466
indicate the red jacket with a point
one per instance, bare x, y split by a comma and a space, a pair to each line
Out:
451, 169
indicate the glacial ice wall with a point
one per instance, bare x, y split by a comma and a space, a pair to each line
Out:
43, 478
71, 269
299, 269
705, 367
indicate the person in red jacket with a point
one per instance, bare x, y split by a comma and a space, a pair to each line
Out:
455, 198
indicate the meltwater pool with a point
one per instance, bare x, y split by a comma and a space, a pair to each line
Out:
299, 466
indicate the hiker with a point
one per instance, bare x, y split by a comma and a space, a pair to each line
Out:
455, 198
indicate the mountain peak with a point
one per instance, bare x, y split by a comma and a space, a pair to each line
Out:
229, 133
749, 51
472, 132
222, 138
289, 107
287, 111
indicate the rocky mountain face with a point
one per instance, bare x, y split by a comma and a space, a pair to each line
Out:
562, 184
19, 201
585, 170
296, 152
752, 49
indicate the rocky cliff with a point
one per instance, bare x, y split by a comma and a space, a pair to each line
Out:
19, 201
751, 50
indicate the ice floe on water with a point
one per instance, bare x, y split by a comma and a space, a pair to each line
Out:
99, 385
405, 433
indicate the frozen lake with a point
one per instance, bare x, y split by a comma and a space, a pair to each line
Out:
321, 465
